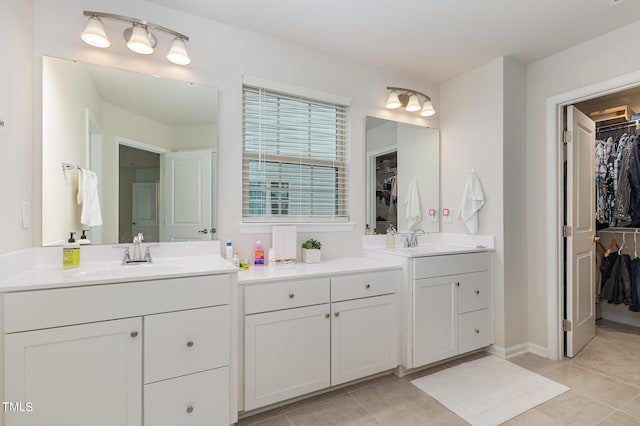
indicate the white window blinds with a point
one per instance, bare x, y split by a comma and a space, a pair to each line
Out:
294, 162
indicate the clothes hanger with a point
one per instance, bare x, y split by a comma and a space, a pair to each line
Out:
624, 241
613, 244
635, 246
599, 244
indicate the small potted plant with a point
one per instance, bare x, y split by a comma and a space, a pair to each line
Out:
311, 251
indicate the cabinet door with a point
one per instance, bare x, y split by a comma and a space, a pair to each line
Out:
88, 374
286, 354
364, 338
435, 319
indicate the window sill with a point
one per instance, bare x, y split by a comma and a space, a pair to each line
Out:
265, 228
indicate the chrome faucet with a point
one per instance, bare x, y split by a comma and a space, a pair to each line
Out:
412, 240
137, 254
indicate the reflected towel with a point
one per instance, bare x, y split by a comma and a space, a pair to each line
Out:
472, 202
412, 205
88, 197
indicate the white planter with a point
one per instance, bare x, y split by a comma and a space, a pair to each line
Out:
311, 255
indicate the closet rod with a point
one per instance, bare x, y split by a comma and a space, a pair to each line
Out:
620, 230
619, 126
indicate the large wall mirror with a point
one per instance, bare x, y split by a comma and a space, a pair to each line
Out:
397, 153
152, 143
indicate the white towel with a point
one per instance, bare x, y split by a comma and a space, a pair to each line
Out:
88, 197
412, 205
472, 202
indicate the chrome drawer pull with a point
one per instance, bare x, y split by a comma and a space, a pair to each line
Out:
477, 291
291, 295
327, 315
190, 409
368, 286
337, 314
190, 344
477, 331
133, 334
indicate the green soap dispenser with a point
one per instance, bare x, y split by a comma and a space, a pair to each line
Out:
71, 253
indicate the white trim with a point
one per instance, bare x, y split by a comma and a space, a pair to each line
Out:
520, 349
538, 350
370, 198
265, 228
295, 90
497, 351
555, 349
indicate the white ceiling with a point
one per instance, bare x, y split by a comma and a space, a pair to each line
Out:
431, 39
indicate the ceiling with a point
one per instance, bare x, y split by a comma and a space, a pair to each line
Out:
432, 39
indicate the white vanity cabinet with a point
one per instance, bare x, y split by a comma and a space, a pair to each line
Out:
451, 311
309, 334
151, 352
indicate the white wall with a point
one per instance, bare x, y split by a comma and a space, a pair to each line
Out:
589, 63
16, 87
195, 137
221, 55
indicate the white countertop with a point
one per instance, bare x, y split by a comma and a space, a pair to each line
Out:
41, 267
304, 270
437, 244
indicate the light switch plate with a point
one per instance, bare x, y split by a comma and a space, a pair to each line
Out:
446, 214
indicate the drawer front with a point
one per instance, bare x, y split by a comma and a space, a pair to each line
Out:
436, 266
292, 294
475, 291
200, 399
185, 342
474, 330
363, 285
68, 306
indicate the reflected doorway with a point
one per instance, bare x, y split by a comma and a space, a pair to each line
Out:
386, 208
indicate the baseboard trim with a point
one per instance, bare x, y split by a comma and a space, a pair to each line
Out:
516, 350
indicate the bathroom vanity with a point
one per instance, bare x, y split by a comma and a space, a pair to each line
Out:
107, 344
446, 295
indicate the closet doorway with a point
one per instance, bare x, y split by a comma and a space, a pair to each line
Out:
601, 215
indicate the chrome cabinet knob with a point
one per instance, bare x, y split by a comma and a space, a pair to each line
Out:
458, 284
291, 295
133, 334
367, 286
477, 331
327, 315
190, 409
190, 344
477, 291
337, 314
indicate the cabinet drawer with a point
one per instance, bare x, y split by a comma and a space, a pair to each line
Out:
292, 294
435, 266
475, 291
184, 342
77, 305
200, 399
364, 285
475, 332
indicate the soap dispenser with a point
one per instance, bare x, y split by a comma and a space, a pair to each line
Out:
71, 253
83, 238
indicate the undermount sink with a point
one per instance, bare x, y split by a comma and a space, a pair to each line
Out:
110, 270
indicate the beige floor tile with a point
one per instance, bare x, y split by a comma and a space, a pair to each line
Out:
314, 400
533, 417
620, 419
382, 379
426, 372
572, 408
632, 407
449, 419
338, 411
532, 362
261, 417
585, 382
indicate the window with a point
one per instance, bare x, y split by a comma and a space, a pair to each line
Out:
294, 161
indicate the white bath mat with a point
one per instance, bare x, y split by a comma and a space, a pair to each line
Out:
489, 390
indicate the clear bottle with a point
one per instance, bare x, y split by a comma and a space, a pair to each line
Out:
228, 251
258, 258
236, 259
391, 236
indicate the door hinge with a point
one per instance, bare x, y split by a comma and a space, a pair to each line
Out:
566, 325
566, 231
567, 136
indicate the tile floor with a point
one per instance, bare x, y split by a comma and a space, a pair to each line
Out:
604, 379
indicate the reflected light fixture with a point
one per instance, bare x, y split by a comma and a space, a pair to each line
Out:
138, 36
410, 100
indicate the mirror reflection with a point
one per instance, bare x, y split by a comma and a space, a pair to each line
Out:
398, 153
151, 142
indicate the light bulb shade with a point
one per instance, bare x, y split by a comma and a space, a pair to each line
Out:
139, 41
413, 104
427, 109
94, 33
392, 101
178, 52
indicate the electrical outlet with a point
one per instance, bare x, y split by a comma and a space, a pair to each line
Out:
446, 215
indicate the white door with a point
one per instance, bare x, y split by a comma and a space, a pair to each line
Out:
580, 299
144, 210
188, 194
435, 319
88, 374
363, 338
286, 354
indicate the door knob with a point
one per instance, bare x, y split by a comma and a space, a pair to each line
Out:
214, 230
204, 231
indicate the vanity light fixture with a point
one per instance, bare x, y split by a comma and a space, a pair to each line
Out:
138, 37
410, 101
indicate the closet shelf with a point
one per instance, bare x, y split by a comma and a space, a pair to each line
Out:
613, 115
620, 230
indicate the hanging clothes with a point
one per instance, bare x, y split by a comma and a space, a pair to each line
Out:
616, 275
635, 285
623, 190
